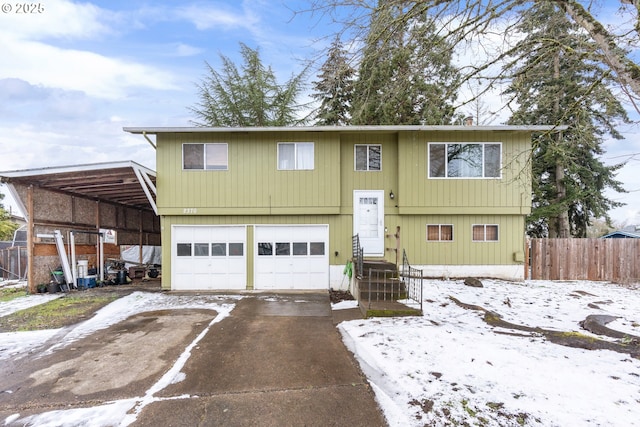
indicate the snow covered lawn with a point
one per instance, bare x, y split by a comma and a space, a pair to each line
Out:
445, 368
450, 368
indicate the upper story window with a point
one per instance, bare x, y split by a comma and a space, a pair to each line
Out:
295, 156
368, 157
205, 156
464, 160
485, 233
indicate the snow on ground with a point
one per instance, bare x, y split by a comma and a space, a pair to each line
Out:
445, 368
448, 367
24, 302
122, 412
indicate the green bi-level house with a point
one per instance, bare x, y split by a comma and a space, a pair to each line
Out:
276, 208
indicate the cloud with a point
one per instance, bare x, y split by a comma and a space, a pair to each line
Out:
181, 49
58, 19
207, 16
71, 69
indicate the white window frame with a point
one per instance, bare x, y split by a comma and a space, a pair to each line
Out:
446, 165
295, 156
439, 232
484, 232
204, 156
367, 160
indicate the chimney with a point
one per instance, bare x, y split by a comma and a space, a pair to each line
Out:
468, 121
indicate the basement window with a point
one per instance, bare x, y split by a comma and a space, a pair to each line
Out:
212, 156
485, 233
439, 233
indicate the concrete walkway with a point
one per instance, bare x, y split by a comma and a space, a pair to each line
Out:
276, 360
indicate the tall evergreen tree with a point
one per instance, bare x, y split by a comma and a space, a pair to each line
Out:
249, 96
407, 78
334, 90
472, 22
555, 83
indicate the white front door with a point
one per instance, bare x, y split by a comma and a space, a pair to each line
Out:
368, 220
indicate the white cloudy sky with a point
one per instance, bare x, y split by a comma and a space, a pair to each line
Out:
77, 72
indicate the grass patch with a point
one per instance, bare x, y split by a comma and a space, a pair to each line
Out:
55, 314
7, 294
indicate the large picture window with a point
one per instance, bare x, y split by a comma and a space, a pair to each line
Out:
368, 157
205, 156
462, 160
295, 156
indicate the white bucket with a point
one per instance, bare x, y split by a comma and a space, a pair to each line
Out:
83, 268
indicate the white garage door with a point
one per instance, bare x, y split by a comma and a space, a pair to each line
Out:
209, 257
292, 257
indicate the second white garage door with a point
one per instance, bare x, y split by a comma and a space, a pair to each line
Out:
291, 257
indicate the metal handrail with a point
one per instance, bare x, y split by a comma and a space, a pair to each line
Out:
358, 256
413, 279
386, 284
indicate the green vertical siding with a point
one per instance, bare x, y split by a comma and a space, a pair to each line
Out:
252, 183
511, 193
386, 179
253, 191
462, 250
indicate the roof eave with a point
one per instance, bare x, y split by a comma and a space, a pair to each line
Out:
52, 170
342, 129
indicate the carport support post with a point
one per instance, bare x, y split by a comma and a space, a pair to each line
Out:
140, 242
101, 257
74, 268
30, 242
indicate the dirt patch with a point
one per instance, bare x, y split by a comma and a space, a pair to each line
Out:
337, 296
569, 339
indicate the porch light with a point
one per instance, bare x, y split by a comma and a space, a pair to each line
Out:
391, 195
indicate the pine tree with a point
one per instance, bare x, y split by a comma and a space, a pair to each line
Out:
407, 78
249, 96
334, 90
554, 83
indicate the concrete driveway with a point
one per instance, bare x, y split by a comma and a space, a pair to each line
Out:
275, 360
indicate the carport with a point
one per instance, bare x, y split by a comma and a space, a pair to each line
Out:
87, 199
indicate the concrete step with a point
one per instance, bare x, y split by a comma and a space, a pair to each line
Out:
387, 309
377, 265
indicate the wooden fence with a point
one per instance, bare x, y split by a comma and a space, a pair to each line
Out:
613, 260
13, 263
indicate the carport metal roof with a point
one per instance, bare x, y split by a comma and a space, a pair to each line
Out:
126, 183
